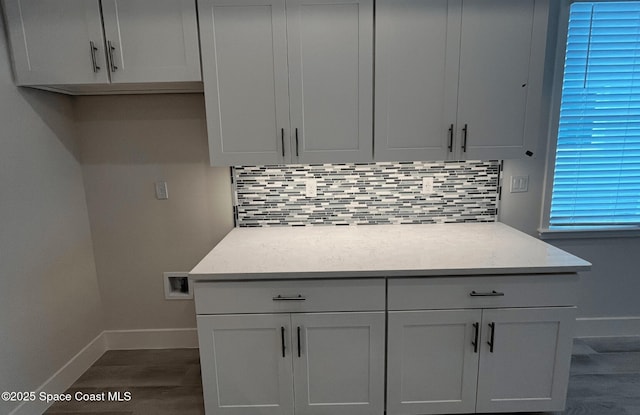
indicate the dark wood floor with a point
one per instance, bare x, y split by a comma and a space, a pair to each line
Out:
605, 380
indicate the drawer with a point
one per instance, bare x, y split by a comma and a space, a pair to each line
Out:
483, 292
232, 297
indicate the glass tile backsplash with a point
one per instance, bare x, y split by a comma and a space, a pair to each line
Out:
366, 193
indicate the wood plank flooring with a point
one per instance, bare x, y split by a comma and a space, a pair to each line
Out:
605, 380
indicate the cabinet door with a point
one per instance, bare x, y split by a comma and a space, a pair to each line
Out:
417, 57
432, 364
246, 364
152, 40
527, 369
331, 77
51, 41
339, 363
244, 61
501, 66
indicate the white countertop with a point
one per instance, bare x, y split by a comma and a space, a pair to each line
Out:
381, 251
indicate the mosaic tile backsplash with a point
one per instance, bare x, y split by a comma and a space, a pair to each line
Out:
371, 193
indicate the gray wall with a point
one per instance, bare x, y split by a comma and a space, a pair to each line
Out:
611, 289
50, 306
127, 144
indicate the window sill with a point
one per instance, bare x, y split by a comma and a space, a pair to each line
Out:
590, 232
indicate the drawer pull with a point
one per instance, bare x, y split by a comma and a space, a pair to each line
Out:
299, 297
492, 326
493, 293
474, 343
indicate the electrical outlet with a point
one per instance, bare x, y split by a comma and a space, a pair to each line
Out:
519, 184
311, 187
162, 193
427, 185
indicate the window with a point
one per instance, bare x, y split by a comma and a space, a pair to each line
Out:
597, 170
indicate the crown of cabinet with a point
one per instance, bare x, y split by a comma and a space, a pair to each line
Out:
143, 45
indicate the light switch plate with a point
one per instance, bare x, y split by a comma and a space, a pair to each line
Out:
519, 184
162, 193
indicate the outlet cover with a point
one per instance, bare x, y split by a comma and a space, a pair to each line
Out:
427, 185
311, 188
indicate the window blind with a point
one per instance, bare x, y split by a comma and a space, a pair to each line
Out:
597, 170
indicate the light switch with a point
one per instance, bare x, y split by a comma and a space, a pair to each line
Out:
162, 193
519, 184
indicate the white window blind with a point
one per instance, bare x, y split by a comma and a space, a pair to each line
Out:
597, 171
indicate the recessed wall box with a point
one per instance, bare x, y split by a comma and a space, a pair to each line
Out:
177, 286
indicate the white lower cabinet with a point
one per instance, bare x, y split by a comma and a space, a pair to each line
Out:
244, 367
302, 363
524, 359
431, 363
466, 344
478, 361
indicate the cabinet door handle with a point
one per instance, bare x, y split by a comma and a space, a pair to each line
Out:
493, 293
297, 154
450, 146
94, 61
465, 132
282, 140
111, 61
299, 297
282, 337
476, 327
492, 326
299, 341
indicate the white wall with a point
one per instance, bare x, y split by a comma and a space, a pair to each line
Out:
127, 144
50, 306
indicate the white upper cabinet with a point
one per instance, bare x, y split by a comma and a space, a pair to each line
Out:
56, 42
287, 81
152, 40
467, 85
330, 44
244, 56
417, 55
60, 45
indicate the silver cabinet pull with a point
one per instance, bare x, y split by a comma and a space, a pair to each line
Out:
111, 61
299, 297
94, 61
493, 293
465, 132
450, 146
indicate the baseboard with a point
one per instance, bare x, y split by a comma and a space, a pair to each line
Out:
607, 327
65, 376
151, 339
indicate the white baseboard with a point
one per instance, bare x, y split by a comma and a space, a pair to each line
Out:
65, 376
607, 327
151, 339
